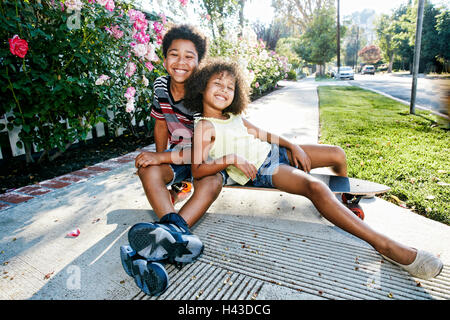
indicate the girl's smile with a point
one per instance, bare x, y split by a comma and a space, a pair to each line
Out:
219, 93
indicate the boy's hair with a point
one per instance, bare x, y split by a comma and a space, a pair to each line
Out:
197, 83
186, 32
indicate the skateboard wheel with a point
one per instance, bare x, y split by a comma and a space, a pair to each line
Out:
358, 212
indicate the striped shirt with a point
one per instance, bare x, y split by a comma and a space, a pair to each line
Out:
180, 121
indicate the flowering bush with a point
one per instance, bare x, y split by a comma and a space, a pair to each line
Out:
263, 68
67, 65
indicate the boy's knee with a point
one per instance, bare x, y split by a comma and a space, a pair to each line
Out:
153, 173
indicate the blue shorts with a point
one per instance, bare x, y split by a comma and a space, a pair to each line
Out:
276, 157
181, 172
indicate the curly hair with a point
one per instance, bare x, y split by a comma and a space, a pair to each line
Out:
186, 32
196, 84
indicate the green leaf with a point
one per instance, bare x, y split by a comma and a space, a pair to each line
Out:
26, 128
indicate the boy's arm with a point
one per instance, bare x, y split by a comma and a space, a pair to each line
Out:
299, 157
161, 135
203, 140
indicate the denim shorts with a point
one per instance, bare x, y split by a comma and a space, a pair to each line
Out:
181, 172
276, 157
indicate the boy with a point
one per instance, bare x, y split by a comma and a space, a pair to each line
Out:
170, 239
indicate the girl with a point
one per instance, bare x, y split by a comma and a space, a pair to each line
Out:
227, 143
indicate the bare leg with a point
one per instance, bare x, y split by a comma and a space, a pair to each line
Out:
206, 191
154, 180
323, 155
292, 180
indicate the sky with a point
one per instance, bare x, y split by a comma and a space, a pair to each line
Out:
262, 10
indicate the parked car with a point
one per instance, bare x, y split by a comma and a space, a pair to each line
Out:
345, 73
368, 69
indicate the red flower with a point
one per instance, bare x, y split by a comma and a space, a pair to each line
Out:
18, 47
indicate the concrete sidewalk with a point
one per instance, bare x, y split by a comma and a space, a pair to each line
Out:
258, 245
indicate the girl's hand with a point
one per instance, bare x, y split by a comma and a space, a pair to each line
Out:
146, 159
249, 169
300, 159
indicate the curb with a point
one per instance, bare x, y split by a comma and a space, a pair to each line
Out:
403, 101
23, 194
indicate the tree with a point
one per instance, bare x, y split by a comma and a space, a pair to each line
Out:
318, 43
272, 33
370, 54
385, 39
300, 13
443, 29
219, 11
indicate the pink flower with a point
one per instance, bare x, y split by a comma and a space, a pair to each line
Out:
130, 105
18, 47
158, 27
135, 15
74, 5
131, 91
159, 39
149, 66
101, 80
140, 24
163, 18
183, 2
256, 85
110, 5
141, 37
116, 32
140, 50
102, 2
131, 68
151, 54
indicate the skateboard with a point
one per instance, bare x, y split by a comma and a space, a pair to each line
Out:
352, 189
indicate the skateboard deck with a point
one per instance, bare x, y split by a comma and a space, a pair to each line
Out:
353, 186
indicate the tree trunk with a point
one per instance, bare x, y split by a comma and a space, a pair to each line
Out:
391, 62
241, 15
28, 151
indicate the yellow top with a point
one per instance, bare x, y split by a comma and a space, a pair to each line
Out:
232, 137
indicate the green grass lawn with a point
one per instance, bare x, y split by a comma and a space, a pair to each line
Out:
385, 144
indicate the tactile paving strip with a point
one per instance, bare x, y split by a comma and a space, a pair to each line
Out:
240, 258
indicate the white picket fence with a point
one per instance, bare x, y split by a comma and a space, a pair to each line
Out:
14, 135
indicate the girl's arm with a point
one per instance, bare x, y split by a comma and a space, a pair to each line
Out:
299, 157
204, 134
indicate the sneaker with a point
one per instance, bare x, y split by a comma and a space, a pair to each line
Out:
169, 239
424, 266
349, 201
150, 277
128, 256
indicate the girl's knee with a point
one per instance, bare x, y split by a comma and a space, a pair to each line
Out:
316, 188
339, 155
211, 185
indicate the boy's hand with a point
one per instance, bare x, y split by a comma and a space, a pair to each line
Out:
300, 159
249, 169
146, 159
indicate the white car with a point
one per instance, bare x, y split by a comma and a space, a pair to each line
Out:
345, 73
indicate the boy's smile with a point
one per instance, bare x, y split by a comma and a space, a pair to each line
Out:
181, 60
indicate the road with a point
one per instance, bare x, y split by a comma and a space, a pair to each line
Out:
429, 91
